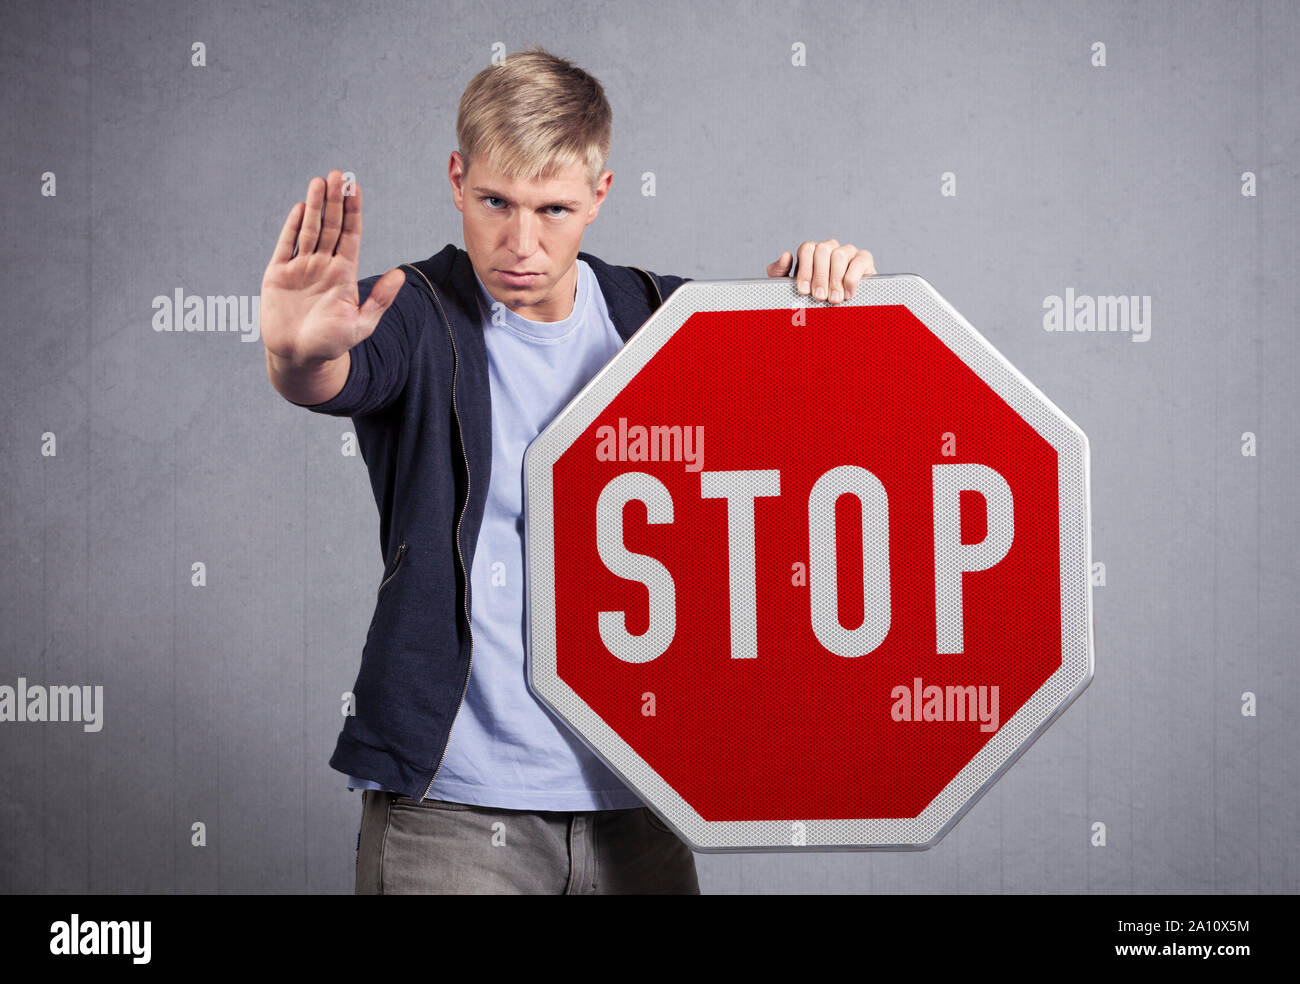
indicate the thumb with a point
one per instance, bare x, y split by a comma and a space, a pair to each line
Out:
380, 297
780, 268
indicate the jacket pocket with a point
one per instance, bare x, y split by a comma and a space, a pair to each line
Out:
391, 572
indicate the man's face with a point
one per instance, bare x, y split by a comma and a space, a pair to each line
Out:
523, 236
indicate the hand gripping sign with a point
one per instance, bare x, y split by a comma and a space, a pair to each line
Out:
808, 576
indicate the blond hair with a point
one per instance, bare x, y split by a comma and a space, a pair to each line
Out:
533, 114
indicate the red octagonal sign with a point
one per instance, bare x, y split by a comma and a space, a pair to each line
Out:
808, 576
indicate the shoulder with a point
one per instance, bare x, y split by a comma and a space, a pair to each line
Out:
446, 279
434, 286
630, 280
442, 268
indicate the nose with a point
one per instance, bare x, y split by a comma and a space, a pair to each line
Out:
523, 233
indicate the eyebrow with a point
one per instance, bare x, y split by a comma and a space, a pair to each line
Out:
506, 198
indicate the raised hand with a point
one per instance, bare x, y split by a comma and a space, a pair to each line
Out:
309, 309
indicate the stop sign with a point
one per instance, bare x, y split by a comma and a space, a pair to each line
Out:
808, 576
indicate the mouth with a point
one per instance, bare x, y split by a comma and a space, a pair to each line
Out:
517, 278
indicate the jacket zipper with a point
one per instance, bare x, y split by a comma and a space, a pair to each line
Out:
455, 372
397, 563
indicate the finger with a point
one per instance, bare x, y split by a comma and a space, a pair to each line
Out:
821, 267
288, 235
329, 234
805, 267
311, 221
841, 256
350, 239
781, 267
862, 265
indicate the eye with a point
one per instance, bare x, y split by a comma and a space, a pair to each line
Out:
489, 199
558, 211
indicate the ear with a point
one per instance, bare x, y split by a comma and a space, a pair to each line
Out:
456, 171
602, 189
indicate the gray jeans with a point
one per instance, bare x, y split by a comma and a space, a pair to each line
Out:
412, 846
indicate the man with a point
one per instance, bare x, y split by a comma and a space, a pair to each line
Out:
448, 368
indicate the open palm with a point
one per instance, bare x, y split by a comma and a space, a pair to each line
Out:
309, 308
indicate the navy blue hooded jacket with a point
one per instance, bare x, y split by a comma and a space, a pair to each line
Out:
419, 398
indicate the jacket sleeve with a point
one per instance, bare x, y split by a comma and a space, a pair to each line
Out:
379, 363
